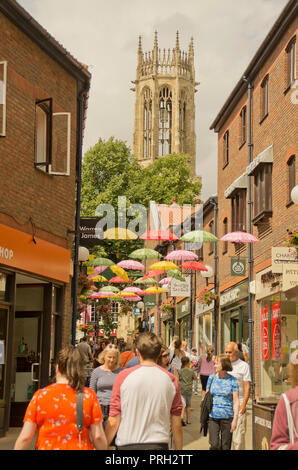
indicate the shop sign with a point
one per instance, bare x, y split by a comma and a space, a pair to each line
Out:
264, 334
180, 288
281, 256
233, 295
150, 301
6, 253
267, 283
290, 276
89, 235
276, 331
238, 267
203, 308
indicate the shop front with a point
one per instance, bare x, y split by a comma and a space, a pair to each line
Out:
33, 278
234, 315
204, 326
183, 318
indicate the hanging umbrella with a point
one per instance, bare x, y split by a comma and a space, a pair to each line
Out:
101, 295
181, 255
127, 294
165, 265
119, 233
145, 253
109, 289
100, 262
199, 236
119, 272
133, 299
162, 235
153, 273
165, 280
135, 290
194, 266
155, 290
140, 280
176, 274
131, 264
239, 237
119, 280
99, 269
97, 278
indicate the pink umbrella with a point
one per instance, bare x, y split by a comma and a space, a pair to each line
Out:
136, 298
153, 274
101, 295
165, 280
181, 255
131, 264
99, 269
135, 290
239, 237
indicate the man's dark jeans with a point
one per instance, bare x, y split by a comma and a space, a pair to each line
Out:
220, 435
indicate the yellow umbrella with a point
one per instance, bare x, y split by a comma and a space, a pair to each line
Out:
154, 290
127, 294
119, 272
98, 278
119, 233
165, 265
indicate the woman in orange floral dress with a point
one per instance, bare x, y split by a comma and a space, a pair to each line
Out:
52, 411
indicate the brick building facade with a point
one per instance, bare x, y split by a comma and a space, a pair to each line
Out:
43, 97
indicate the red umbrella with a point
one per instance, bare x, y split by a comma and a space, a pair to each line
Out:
162, 235
153, 273
194, 266
118, 280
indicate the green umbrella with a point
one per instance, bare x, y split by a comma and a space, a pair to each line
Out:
176, 274
109, 289
100, 262
145, 281
199, 236
144, 253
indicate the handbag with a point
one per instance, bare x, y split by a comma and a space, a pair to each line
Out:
206, 408
80, 413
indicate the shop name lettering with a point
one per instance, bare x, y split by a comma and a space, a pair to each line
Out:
6, 253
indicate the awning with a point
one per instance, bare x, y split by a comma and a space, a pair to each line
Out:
264, 157
239, 183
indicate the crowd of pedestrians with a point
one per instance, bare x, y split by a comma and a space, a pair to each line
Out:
139, 395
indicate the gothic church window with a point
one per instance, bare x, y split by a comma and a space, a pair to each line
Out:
165, 122
147, 124
182, 121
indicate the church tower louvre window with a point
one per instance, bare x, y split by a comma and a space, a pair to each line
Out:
164, 87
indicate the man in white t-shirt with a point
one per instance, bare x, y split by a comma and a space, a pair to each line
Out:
146, 403
242, 374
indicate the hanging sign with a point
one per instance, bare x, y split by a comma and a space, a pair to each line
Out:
238, 267
276, 331
180, 288
264, 334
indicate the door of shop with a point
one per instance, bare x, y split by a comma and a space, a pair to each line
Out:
4, 311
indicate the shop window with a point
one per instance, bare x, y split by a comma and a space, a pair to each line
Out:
262, 192
265, 98
3, 279
3, 80
52, 139
226, 143
3, 342
291, 175
291, 62
238, 200
278, 339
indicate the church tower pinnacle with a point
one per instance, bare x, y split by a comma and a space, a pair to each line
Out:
164, 104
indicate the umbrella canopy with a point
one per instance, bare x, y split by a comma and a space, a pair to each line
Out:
239, 237
153, 273
100, 262
134, 298
155, 290
135, 290
199, 236
140, 280
118, 280
119, 272
97, 278
131, 264
101, 295
119, 233
176, 274
181, 255
127, 294
194, 266
165, 265
109, 289
145, 253
165, 280
162, 235
99, 269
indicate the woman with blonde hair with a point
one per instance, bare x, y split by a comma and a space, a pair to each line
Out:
206, 368
103, 378
52, 411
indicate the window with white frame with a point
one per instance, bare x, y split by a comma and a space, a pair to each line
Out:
115, 311
291, 62
92, 314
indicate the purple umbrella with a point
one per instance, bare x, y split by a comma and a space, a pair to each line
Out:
131, 264
239, 237
181, 255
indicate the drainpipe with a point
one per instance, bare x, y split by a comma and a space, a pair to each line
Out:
250, 254
80, 102
214, 202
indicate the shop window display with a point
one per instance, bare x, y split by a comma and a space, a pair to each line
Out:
278, 339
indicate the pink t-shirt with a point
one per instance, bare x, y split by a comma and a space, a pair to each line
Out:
145, 397
207, 368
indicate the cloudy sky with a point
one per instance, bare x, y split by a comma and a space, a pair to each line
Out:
104, 35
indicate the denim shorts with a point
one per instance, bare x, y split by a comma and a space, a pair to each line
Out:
187, 397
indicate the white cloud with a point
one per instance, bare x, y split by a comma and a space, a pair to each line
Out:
104, 35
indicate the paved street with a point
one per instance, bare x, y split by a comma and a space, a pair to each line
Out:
192, 438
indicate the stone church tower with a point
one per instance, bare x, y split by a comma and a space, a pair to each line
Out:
164, 105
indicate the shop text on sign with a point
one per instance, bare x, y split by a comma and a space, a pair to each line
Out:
6, 253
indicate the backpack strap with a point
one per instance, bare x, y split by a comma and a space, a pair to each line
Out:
80, 413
